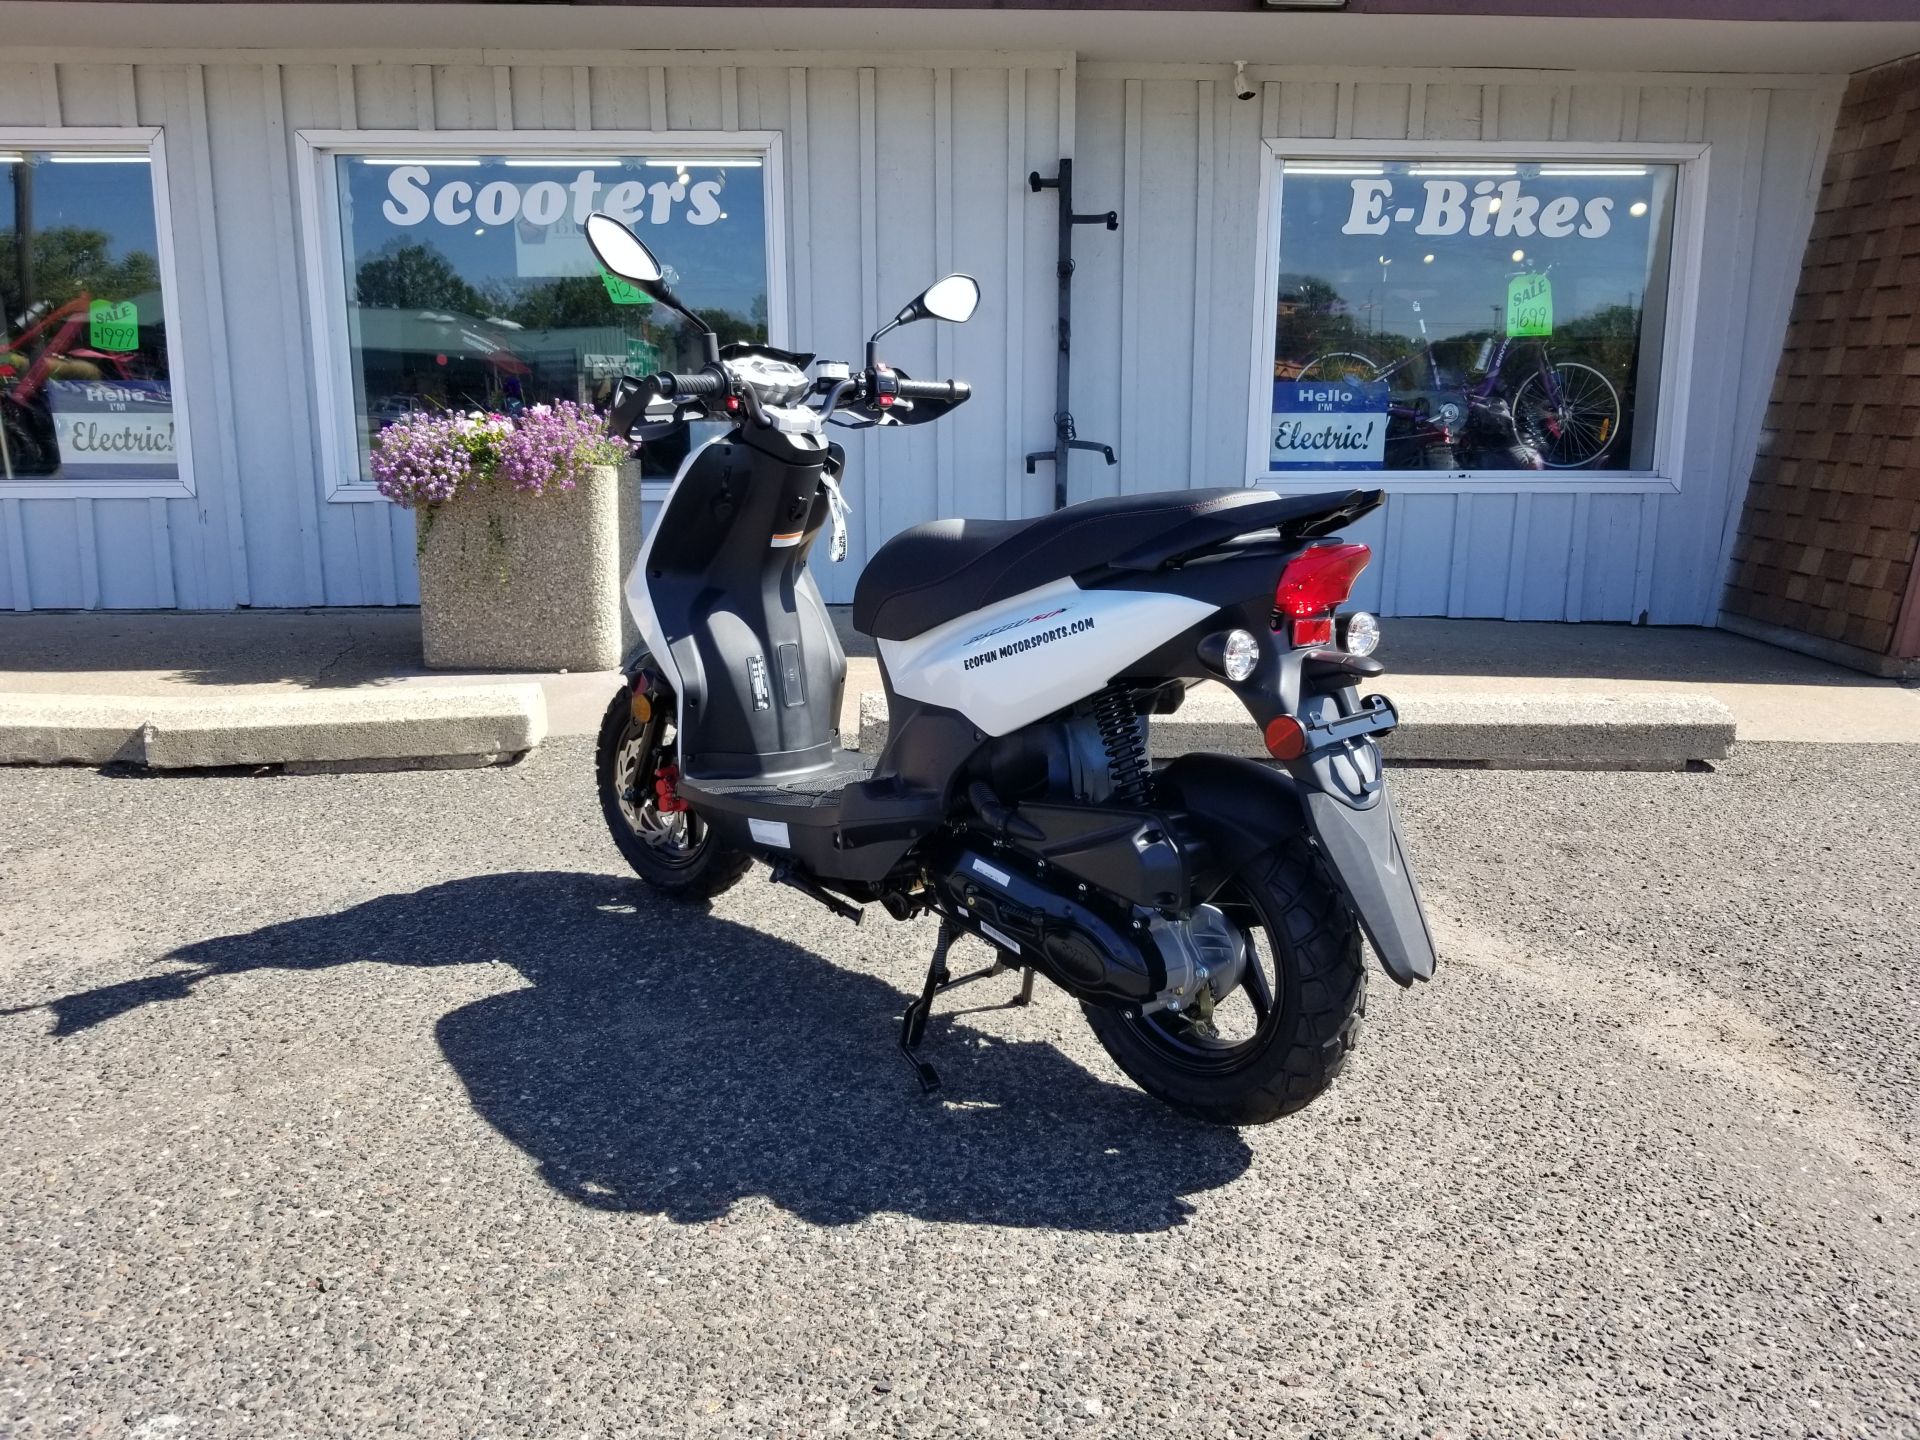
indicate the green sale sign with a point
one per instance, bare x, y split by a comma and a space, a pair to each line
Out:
113, 326
1529, 305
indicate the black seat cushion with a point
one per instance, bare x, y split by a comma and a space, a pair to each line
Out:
931, 573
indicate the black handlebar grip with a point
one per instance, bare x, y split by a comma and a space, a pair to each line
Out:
670, 382
954, 390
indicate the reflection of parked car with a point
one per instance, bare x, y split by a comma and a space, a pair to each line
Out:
389, 408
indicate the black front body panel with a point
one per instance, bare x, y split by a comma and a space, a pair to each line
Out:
761, 669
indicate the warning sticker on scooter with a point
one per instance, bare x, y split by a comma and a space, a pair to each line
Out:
1028, 642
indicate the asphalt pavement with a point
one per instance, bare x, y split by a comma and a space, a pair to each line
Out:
388, 1105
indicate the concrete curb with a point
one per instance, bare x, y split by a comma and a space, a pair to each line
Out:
1498, 731
400, 727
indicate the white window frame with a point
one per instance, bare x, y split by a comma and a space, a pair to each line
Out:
1677, 345
325, 257
152, 140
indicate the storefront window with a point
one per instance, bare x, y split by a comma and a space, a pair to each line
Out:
1470, 315
470, 286
86, 392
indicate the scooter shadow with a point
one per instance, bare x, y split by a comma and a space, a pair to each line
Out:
664, 1060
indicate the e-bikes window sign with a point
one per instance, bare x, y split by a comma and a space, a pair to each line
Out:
86, 387
1482, 315
470, 285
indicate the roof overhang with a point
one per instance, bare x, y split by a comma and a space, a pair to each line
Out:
1697, 36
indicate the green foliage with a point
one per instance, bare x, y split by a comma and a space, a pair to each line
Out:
409, 275
68, 262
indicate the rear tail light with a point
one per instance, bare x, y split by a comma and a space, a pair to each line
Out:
1315, 583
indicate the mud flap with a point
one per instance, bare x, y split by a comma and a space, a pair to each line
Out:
1365, 851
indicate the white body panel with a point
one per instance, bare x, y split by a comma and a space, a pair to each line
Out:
1014, 662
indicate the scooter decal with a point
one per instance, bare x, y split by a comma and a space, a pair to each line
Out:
1028, 642
788, 540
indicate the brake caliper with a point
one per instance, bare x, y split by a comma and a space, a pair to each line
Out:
666, 790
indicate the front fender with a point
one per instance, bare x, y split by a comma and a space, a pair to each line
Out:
1241, 808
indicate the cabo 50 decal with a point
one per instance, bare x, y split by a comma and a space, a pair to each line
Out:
1026, 642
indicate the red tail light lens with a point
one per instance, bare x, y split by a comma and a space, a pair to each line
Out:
1318, 581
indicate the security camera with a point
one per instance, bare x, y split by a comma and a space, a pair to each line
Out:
1243, 88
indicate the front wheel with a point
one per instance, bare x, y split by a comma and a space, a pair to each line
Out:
1279, 1038
673, 850
1570, 413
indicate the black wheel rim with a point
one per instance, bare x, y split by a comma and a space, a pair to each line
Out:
1243, 1020
676, 838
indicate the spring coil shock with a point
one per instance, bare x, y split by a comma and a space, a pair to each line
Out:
1124, 736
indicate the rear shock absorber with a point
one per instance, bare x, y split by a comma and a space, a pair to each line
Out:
1123, 734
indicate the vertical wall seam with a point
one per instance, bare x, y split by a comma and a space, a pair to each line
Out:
1279, 110
800, 207
1013, 501
582, 99
872, 495
657, 95
1457, 555
1562, 113
1739, 322
1573, 603
422, 97
1199, 430
344, 92
729, 97
50, 92
1129, 284
160, 534
1417, 110
1490, 112
301, 405
502, 97
87, 542
1343, 112
16, 554
943, 338
225, 428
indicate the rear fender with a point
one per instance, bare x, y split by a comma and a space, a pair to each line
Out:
1241, 808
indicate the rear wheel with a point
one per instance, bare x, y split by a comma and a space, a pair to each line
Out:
1282, 1035
672, 850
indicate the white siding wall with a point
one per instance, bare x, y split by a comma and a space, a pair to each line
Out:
1170, 296
896, 173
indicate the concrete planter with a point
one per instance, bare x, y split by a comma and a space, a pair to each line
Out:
510, 581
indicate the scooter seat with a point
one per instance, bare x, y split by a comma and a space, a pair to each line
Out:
933, 573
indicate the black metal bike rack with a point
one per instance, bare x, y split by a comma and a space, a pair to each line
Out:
1065, 439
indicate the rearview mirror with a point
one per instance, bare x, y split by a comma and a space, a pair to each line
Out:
623, 252
953, 298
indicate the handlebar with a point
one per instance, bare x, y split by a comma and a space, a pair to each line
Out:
700, 383
953, 390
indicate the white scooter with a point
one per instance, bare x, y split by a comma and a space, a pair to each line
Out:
1206, 914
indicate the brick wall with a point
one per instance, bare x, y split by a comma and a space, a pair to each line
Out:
1826, 543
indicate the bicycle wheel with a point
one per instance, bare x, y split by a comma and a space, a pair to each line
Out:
1569, 413
1338, 365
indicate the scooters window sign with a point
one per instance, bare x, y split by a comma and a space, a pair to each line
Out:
470, 284
1470, 314
1328, 425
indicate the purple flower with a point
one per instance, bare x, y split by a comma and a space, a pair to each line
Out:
553, 447
426, 460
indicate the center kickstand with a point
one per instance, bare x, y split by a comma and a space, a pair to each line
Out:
913, 1024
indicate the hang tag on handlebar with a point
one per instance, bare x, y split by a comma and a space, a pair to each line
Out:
838, 509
